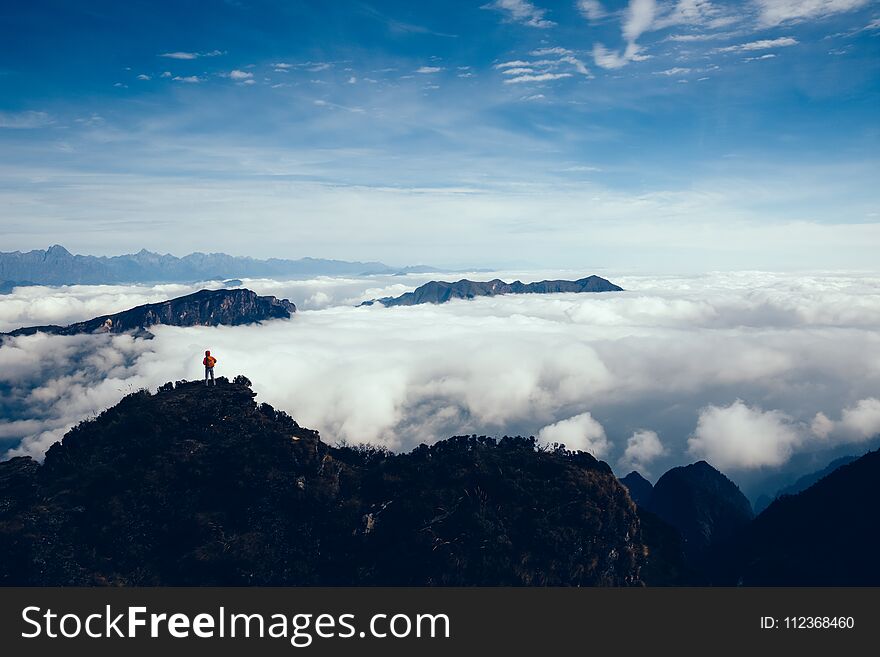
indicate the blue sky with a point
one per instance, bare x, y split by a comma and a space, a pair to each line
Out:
678, 134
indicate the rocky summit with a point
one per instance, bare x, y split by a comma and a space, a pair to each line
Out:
197, 485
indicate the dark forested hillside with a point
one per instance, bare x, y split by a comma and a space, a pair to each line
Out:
196, 485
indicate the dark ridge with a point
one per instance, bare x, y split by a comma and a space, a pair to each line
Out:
204, 308
199, 485
706, 507
803, 483
640, 489
441, 291
823, 536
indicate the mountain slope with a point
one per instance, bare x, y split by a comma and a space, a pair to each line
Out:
825, 535
442, 291
203, 308
199, 485
803, 482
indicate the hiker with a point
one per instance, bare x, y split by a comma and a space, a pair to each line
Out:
209, 363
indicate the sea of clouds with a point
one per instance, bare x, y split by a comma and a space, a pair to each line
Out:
749, 370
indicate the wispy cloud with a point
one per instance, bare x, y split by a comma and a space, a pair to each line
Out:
427, 70
700, 37
673, 71
592, 10
143, 76
24, 120
763, 44
522, 11
541, 77
189, 79
237, 74
638, 17
776, 12
190, 55
544, 52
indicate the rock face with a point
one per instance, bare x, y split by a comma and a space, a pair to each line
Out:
702, 504
640, 489
199, 485
57, 266
825, 535
441, 291
204, 308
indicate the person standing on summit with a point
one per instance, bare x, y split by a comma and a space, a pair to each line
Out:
209, 362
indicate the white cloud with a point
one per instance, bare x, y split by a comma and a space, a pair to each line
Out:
740, 436
190, 55
24, 120
143, 76
863, 419
237, 74
513, 63
427, 70
762, 44
189, 79
522, 11
580, 432
165, 74
821, 426
540, 77
642, 448
776, 12
591, 9
857, 423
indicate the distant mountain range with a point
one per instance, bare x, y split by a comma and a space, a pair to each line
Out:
442, 291
57, 266
203, 308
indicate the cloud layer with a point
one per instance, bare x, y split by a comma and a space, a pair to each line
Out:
743, 369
